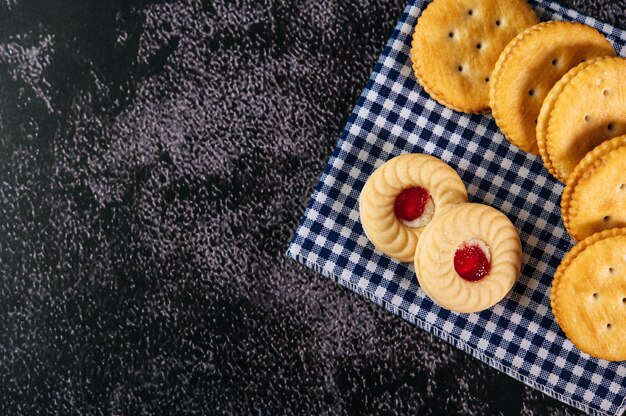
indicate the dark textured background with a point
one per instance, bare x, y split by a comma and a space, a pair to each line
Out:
155, 159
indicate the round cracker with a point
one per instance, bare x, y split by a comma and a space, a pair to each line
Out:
590, 110
456, 44
529, 67
546, 109
595, 196
588, 295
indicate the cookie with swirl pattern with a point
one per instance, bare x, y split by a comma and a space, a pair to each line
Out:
401, 197
468, 258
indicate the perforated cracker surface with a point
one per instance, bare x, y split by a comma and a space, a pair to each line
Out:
590, 110
595, 196
457, 43
529, 67
589, 295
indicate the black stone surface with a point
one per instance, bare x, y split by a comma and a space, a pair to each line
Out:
155, 159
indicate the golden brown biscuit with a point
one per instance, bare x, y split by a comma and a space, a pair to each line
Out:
401, 197
548, 105
588, 295
595, 196
468, 258
456, 44
529, 67
590, 110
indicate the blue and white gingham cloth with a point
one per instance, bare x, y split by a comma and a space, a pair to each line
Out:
519, 335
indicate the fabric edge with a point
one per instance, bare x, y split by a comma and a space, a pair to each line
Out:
450, 339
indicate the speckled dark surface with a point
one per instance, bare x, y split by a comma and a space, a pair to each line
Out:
155, 159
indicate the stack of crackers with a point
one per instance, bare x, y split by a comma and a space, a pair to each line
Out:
555, 89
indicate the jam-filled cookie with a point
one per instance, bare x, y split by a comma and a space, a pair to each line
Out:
402, 196
595, 196
588, 295
468, 258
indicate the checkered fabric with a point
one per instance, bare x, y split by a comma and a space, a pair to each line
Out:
519, 335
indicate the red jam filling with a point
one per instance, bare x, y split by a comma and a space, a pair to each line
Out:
411, 203
471, 262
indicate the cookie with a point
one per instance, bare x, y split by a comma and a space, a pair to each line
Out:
401, 197
590, 109
588, 295
529, 67
546, 109
468, 258
595, 195
456, 44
